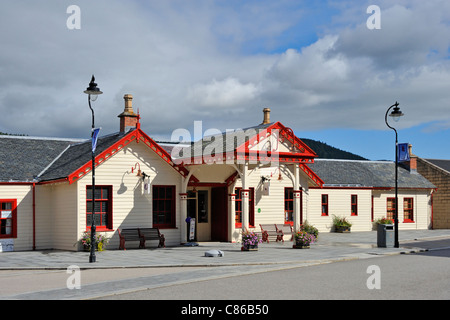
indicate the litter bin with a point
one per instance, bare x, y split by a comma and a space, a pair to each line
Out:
385, 235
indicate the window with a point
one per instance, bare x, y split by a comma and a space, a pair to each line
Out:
103, 207
408, 214
238, 207
164, 206
390, 208
288, 205
325, 205
354, 200
8, 219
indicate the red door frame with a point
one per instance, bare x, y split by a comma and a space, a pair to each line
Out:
219, 213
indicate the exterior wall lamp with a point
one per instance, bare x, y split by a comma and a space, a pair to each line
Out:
395, 114
139, 172
93, 92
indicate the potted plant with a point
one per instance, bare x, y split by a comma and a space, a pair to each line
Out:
310, 229
100, 241
250, 241
383, 221
341, 224
303, 239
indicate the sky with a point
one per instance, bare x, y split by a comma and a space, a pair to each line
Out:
329, 70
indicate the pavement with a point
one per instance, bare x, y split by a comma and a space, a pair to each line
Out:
329, 247
45, 275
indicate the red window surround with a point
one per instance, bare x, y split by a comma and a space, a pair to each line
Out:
103, 207
289, 205
354, 200
390, 210
8, 218
408, 210
164, 206
324, 198
238, 207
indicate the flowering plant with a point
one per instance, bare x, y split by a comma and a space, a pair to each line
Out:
305, 238
100, 241
250, 239
383, 221
310, 229
341, 222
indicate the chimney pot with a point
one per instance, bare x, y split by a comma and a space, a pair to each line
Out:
266, 112
128, 103
128, 118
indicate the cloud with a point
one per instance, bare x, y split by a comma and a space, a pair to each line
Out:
221, 62
408, 35
228, 93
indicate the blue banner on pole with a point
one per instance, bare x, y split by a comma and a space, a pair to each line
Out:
95, 138
403, 152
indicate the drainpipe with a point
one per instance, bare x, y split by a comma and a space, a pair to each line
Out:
432, 209
34, 216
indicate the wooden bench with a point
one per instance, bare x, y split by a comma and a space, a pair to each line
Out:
128, 235
141, 235
151, 234
285, 229
270, 230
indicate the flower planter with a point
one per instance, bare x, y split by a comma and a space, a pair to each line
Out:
342, 229
249, 247
301, 246
303, 240
85, 242
98, 247
250, 241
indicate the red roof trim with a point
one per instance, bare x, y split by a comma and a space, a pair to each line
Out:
136, 135
285, 133
312, 175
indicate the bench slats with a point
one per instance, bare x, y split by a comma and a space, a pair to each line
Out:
152, 234
285, 229
141, 235
270, 230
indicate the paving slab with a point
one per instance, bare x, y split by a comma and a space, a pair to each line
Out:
330, 246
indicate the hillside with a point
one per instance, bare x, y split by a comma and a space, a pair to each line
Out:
324, 151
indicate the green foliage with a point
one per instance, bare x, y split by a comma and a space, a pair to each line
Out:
325, 151
383, 221
341, 221
310, 229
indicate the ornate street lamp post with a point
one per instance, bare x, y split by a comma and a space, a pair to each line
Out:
93, 92
395, 114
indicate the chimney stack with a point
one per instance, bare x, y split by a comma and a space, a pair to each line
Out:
266, 116
412, 160
128, 118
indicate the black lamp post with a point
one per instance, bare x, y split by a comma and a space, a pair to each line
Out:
395, 114
93, 92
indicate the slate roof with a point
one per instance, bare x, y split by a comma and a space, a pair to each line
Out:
24, 158
28, 159
76, 156
375, 174
443, 164
222, 143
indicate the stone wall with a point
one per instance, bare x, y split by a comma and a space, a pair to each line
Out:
441, 198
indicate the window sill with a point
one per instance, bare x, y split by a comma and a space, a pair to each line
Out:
100, 229
239, 226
